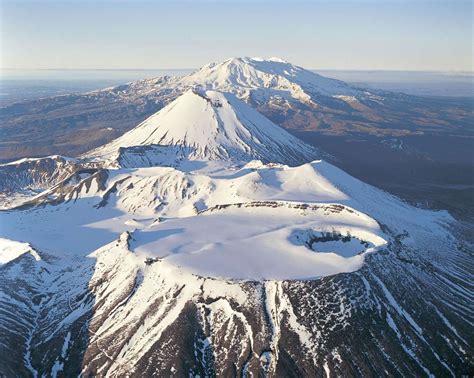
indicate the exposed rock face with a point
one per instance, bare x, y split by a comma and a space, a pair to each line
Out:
34, 181
35, 174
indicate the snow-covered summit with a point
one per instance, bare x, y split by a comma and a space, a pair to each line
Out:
254, 80
244, 74
209, 125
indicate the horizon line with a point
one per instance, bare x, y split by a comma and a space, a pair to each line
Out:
193, 69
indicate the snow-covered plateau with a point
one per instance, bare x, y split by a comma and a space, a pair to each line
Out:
208, 241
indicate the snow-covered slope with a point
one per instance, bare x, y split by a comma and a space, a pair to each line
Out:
209, 125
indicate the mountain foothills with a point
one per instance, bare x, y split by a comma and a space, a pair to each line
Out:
208, 241
292, 97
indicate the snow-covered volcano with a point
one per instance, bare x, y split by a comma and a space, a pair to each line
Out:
207, 125
243, 75
268, 82
172, 251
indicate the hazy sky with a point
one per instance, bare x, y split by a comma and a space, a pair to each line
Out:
399, 34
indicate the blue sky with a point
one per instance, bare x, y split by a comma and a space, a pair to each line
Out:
388, 35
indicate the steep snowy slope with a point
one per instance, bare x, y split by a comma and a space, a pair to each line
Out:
209, 125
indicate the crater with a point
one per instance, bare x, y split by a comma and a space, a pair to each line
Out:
265, 242
345, 245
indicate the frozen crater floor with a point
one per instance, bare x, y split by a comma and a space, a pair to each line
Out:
262, 240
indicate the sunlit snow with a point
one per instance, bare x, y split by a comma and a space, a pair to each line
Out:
203, 186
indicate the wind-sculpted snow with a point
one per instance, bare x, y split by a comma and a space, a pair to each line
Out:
11, 250
171, 251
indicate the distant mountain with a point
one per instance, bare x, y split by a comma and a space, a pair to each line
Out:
267, 78
290, 96
189, 246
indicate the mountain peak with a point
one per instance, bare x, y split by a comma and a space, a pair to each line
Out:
246, 70
203, 124
252, 60
244, 74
